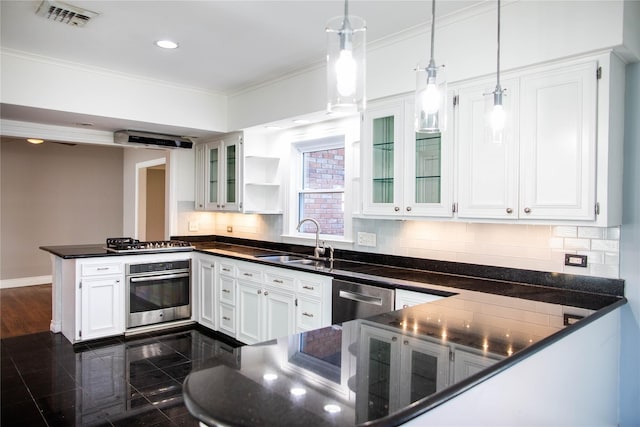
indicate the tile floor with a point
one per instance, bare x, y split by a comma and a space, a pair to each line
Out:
45, 381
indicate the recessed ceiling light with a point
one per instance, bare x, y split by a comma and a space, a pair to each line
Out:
166, 44
35, 140
298, 391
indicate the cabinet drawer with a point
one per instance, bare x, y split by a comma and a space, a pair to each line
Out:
228, 319
309, 314
228, 290
101, 269
226, 269
309, 287
247, 272
279, 281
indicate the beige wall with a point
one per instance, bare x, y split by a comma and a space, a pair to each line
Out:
53, 194
155, 203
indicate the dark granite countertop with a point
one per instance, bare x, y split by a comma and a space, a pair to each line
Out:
98, 250
494, 318
383, 370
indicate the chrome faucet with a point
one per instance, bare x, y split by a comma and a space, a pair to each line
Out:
317, 251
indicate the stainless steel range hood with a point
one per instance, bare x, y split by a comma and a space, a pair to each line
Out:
149, 139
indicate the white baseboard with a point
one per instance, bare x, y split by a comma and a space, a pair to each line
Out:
24, 281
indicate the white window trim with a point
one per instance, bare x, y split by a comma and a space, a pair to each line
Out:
326, 136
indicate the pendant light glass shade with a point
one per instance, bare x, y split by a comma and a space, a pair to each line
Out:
346, 44
430, 99
431, 91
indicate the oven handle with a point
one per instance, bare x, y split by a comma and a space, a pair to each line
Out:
160, 277
360, 297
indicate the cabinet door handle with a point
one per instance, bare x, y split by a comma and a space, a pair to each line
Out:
222, 206
408, 208
277, 281
226, 291
396, 209
527, 210
308, 287
509, 210
248, 274
307, 314
226, 269
226, 318
102, 268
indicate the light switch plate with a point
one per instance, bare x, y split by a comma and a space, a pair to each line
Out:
193, 226
366, 239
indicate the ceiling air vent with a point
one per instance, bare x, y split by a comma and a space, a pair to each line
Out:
65, 13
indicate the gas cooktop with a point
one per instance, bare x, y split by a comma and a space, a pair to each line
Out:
130, 245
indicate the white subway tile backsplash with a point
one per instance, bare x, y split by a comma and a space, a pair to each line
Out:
591, 232
611, 259
565, 231
556, 243
577, 244
604, 270
605, 245
613, 233
593, 257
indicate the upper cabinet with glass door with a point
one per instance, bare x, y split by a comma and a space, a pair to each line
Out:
218, 174
403, 173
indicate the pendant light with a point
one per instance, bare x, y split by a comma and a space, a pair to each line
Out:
498, 113
346, 43
431, 90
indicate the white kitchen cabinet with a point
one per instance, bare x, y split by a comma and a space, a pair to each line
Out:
219, 163
467, 363
404, 174
545, 167
227, 289
264, 311
262, 188
101, 289
207, 313
405, 298
313, 301
395, 369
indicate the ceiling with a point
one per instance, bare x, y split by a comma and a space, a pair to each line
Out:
225, 46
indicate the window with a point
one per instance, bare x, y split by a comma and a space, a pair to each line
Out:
320, 192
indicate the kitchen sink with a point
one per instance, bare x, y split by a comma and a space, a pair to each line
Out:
287, 259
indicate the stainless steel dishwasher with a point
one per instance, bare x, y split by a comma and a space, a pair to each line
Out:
356, 301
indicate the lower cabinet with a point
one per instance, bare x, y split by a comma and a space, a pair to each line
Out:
99, 300
405, 299
252, 302
398, 370
264, 313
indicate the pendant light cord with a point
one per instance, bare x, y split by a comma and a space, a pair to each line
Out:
433, 30
498, 61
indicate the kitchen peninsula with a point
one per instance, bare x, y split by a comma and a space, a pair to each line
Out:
425, 358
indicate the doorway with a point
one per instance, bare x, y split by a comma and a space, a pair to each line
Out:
151, 200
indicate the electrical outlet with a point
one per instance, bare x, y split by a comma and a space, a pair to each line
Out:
575, 260
229, 228
193, 226
366, 239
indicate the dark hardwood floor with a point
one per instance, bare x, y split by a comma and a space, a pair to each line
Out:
25, 310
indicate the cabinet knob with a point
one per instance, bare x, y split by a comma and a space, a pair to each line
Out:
408, 208
199, 205
405, 305
509, 210
396, 209
222, 206
394, 339
217, 206
406, 342
259, 291
527, 210
266, 293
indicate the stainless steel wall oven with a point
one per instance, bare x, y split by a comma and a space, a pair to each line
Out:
158, 292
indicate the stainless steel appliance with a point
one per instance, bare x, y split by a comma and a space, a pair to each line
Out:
158, 292
124, 245
356, 301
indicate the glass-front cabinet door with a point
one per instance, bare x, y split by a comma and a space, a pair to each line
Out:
222, 174
404, 173
382, 159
